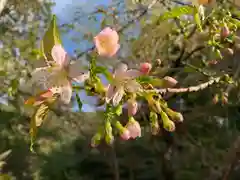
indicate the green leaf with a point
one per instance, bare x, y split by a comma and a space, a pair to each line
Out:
37, 119
176, 12
197, 19
118, 110
80, 104
50, 39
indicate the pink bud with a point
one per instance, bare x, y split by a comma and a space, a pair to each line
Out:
134, 128
125, 134
107, 42
170, 82
225, 31
215, 99
145, 68
132, 107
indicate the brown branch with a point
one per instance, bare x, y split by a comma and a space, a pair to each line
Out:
188, 89
233, 155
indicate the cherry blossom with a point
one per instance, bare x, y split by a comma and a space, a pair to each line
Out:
57, 78
123, 80
106, 42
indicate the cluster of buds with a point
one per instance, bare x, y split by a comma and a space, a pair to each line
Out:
223, 98
168, 116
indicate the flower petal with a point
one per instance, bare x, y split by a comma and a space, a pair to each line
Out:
110, 92
77, 73
65, 91
118, 96
133, 86
120, 70
132, 74
59, 55
42, 77
107, 42
83, 77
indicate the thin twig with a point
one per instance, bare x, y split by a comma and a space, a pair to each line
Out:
189, 89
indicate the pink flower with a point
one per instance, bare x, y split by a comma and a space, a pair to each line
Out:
134, 128
132, 107
124, 80
145, 68
106, 42
57, 77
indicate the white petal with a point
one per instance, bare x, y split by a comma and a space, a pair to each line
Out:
118, 96
75, 71
82, 77
120, 70
132, 74
59, 55
133, 86
42, 77
65, 91
110, 92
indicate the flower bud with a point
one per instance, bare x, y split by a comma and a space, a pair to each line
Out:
167, 123
224, 31
96, 139
154, 123
124, 133
145, 68
159, 62
109, 138
215, 99
169, 126
132, 107
169, 82
134, 128
224, 98
175, 116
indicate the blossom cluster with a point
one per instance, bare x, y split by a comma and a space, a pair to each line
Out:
124, 88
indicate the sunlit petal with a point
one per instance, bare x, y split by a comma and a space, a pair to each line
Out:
132, 74
110, 92
59, 55
81, 78
120, 70
65, 91
77, 73
118, 96
106, 42
47, 77
133, 86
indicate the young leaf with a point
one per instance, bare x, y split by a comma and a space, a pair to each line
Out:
50, 39
176, 12
79, 101
37, 119
197, 19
